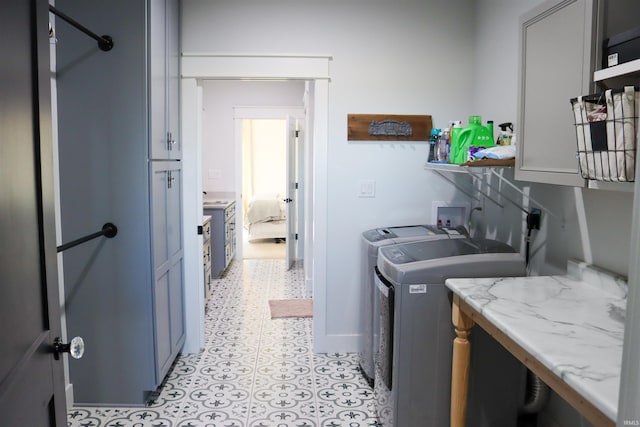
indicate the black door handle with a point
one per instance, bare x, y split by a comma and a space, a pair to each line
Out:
288, 200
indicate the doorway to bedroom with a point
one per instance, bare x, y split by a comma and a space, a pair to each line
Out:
264, 188
270, 152
228, 106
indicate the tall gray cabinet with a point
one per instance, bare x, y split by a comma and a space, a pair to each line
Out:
119, 153
166, 184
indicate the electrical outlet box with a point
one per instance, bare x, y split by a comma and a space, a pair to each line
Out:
215, 174
533, 219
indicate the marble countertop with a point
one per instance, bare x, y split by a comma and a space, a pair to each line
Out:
217, 199
573, 324
216, 204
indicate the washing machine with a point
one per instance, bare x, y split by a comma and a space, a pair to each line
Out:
413, 359
371, 241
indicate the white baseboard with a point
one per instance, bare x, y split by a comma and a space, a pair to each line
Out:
347, 343
68, 391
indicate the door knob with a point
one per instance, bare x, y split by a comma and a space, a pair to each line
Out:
75, 348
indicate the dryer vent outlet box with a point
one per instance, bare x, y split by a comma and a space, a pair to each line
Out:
449, 215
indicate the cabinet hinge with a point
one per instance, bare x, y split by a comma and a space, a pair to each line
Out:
200, 230
297, 133
296, 238
296, 185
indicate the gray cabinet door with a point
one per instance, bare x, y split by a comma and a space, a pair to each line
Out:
162, 324
31, 381
164, 79
557, 57
173, 78
168, 263
158, 139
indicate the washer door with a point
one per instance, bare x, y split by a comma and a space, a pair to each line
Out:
386, 293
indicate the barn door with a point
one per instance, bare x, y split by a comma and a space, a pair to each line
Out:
31, 379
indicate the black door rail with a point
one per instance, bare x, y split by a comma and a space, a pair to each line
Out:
109, 230
105, 42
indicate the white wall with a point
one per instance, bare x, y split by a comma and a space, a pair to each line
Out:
268, 142
219, 99
401, 57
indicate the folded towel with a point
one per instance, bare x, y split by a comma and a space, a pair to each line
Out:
499, 152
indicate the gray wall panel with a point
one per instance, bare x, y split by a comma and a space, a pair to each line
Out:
103, 125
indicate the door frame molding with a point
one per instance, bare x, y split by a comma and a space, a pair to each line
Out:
196, 67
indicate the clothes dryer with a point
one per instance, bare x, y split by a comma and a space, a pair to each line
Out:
413, 360
371, 241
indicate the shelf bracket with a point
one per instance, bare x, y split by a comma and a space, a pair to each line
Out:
531, 199
499, 191
480, 174
468, 193
458, 186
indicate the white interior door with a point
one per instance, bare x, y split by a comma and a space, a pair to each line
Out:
291, 195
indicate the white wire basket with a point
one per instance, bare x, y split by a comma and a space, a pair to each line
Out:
607, 134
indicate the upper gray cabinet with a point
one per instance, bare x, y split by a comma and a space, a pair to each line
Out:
164, 80
173, 78
559, 46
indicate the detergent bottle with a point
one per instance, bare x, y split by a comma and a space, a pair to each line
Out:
472, 138
456, 127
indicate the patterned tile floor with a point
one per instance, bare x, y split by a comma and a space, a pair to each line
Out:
254, 371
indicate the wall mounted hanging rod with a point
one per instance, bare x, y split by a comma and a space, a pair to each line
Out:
105, 42
109, 230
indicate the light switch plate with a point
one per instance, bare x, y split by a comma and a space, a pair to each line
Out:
367, 188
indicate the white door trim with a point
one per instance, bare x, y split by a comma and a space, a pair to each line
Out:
242, 67
196, 67
275, 112
191, 137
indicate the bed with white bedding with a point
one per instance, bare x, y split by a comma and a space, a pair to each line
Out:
266, 217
